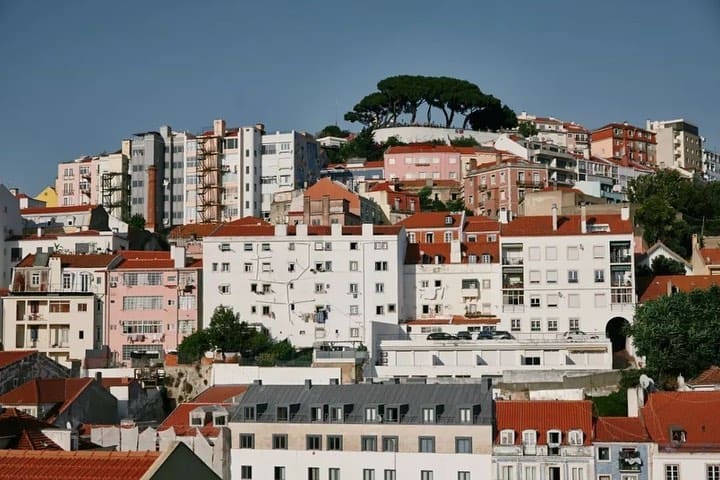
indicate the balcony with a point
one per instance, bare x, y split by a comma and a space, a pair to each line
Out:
512, 260
33, 317
470, 292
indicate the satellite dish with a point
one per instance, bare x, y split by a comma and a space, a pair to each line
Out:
68, 425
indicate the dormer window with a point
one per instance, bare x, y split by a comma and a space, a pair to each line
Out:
575, 437
371, 414
197, 419
282, 414
249, 413
316, 414
428, 415
678, 435
554, 437
392, 415
507, 437
529, 437
337, 414
220, 420
448, 220
465, 415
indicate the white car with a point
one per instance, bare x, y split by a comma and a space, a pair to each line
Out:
580, 336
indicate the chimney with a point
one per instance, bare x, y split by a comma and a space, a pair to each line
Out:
503, 216
625, 213
455, 252
498, 158
583, 219
151, 220
257, 381
554, 217
39, 232
334, 381
126, 148
219, 128
177, 254
308, 384
98, 377
260, 127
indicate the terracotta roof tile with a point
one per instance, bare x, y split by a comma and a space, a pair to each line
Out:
542, 416
198, 230
440, 183
334, 190
149, 259
695, 413
620, 429
567, 225
711, 256
660, 285
59, 465
220, 393
60, 391
91, 260
431, 220
711, 376
26, 431
56, 210
417, 252
11, 356
481, 224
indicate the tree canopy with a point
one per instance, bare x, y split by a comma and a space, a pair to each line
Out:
679, 333
137, 222
398, 100
228, 334
671, 208
333, 131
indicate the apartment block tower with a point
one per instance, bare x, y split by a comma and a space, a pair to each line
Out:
678, 144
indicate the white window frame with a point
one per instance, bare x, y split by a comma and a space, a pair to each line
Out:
507, 437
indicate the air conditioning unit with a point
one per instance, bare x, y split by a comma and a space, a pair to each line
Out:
113, 284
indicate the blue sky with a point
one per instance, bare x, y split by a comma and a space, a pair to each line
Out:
79, 76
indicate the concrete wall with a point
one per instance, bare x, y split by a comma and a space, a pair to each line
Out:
226, 373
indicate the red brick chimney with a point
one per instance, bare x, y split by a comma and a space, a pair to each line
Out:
151, 221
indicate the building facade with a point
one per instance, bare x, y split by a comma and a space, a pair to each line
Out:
679, 145
365, 431
625, 142
421, 162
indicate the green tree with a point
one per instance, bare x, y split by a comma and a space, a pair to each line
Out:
428, 204
464, 142
527, 129
137, 222
457, 205
679, 333
362, 146
192, 348
333, 131
663, 265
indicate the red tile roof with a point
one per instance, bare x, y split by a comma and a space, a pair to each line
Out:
26, 431
108, 382
660, 285
481, 224
197, 230
220, 393
416, 252
151, 260
544, 415
60, 391
56, 210
435, 183
13, 356
91, 260
711, 376
431, 220
567, 225
711, 256
456, 320
77, 465
334, 190
695, 413
620, 430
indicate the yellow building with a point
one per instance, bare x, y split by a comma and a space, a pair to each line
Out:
49, 196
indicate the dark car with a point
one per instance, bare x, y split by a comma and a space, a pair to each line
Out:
441, 336
464, 335
495, 335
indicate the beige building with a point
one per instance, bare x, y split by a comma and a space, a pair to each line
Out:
679, 146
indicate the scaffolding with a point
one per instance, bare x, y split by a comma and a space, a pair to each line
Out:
209, 149
115, 193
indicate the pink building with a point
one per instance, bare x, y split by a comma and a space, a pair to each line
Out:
153, 302
74, 181
422, 161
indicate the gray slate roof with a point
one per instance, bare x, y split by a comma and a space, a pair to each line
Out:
447, 398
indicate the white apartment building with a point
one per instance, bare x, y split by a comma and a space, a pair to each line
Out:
11, 223
711, 165
568, 273
56, 305
308, 283
388, 431
678, 145
290, 161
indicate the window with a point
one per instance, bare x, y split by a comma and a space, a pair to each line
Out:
282, 414
248, 267
379, 310
599, 251
713, 472
530, 472
577, 473
534, 276
82, 307
334, 442
313, 442
368, 443
371, 414
353, 266
279, 441
353, 288
354, 246
573, 253
574, 324
333, 473
379, 288
337, 414
486, 284
600, 300
575, 437
426, 444
535, 301
515, 324
428, 415
246, 472
534, 253
225, 267
599, 276
463, 445
224, 289
507, 437
313, 473
552, 324
529, 437
572, 276
465, 415
381, 266
672, 472
506, 472
381, 245
552, 300
141, 303
390, 444
249, 413
550, 253
551, 276
463, 476
225, 247
247, 247
426, 475
534, 324
368, 474
389, 475
553, 437
247, 440
266, 267
603, 454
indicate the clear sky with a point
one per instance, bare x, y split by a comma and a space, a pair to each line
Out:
79, 76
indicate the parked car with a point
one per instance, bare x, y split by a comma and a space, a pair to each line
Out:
441, 336
580, 336
495, 335
464, 335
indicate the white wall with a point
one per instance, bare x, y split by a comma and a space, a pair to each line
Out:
426, 134
233, 374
